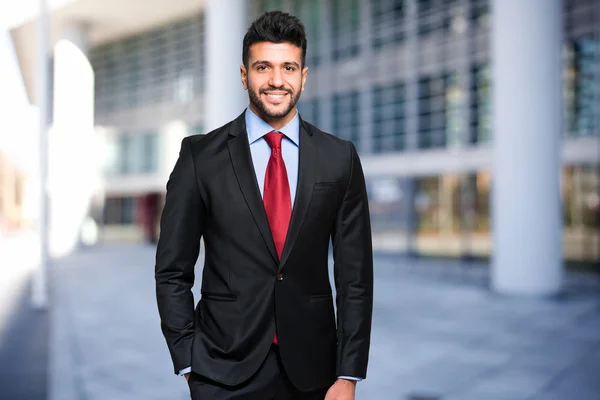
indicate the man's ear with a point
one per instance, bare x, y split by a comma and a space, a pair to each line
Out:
304, 73
244, 76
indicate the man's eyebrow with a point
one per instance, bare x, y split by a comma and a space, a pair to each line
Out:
260, 62
294, 63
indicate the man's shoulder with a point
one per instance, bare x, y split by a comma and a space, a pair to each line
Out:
325, 138
202, 140
331, 145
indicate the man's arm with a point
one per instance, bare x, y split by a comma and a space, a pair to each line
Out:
177, 252
353, 272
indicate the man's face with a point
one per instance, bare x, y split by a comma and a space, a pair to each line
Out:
274, 78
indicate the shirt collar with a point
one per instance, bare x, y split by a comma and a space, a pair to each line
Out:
257, 127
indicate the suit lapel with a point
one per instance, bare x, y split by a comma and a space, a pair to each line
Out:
239, 151
306, 180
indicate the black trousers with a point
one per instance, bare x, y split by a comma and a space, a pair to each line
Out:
269, 383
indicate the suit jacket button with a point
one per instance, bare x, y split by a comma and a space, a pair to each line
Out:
279, 277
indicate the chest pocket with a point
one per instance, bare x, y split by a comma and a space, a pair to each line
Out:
320, 186
327, 197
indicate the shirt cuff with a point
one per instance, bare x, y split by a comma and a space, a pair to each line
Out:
185, 371
350, 378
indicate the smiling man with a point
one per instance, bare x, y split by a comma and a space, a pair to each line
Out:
267, 192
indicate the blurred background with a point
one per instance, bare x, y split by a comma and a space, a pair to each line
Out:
110, 88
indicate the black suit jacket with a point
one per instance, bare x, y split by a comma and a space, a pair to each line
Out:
247, 291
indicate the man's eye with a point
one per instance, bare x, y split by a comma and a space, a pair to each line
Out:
261, 68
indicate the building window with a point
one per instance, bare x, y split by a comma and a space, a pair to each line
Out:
163, 65
479, 13
309, 111
309, 12
580, 18
119, 211
389, 118
481, 126
346, 28
149, 153
425, 16
270, 5
124, 145
581, 207
582, 90
142, 156
112, 211
346, 117
432, 111
391, 212
158, 64
452, 214
131, 77
434, 16
133, 154
388, 22
185, 48
456, 104
104, 61
112, 160
197, 129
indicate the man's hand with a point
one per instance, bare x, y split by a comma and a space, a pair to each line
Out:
342, 389
187, 376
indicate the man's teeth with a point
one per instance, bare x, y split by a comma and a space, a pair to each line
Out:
277, 96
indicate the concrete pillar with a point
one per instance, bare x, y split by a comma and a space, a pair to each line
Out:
39, 289
226, 23
74, 155
527, 123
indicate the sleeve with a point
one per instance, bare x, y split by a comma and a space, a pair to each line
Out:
350, 378
177, 251
353, 274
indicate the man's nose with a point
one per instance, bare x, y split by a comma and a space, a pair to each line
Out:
276, 78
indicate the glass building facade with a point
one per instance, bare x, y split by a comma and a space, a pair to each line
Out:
405, 80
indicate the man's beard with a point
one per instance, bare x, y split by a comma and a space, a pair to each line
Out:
262, 107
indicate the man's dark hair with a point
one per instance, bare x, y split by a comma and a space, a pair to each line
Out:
275, 27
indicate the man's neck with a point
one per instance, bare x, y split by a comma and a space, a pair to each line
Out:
275, 123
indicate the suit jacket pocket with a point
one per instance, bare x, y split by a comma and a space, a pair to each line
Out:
218, 296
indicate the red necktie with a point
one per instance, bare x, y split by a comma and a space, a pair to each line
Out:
276, 195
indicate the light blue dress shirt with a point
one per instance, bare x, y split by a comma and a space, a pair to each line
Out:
260, 150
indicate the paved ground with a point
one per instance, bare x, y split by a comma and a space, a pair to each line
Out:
24, 353
23, 331
437, 331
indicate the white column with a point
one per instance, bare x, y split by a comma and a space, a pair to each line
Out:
74, 154
39, 295
527, 123
226, 23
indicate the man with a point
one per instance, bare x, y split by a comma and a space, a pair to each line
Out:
267, 191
